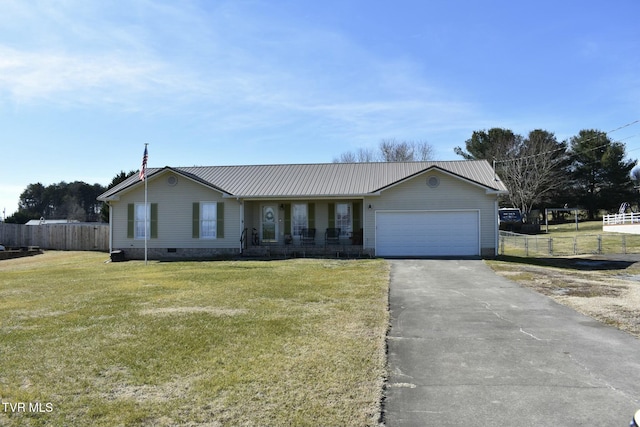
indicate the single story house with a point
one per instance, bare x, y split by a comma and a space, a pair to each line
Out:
403, 209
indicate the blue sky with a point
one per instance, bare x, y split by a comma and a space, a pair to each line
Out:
84, 84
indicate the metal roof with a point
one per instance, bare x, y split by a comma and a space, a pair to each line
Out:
43, 221
319, 179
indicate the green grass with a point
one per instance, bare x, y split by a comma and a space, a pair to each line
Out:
297, 342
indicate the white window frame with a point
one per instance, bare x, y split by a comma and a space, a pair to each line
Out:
344, 223
299, 220
139, 221
208, 220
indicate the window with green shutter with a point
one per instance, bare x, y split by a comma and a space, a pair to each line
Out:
195, 225
299, 218
312, 215
142, 222
343, 218
207, 220
287, 218
332, 215
130, 220
220, 220
154, 221
357, 216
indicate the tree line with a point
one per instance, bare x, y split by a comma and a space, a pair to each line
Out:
589, 171
74, 201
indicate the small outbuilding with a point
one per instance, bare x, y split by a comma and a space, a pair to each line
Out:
43, 221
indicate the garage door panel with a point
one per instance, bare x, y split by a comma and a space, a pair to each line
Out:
427, 233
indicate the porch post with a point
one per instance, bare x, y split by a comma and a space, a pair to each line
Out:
241, 222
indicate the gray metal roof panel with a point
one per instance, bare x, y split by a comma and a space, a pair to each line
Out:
319, 179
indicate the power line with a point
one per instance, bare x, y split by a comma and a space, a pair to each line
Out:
624, 126
562, 148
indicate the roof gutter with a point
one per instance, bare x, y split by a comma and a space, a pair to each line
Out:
108, 199
497, 192
299, 197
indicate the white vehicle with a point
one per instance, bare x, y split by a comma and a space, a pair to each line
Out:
2, 248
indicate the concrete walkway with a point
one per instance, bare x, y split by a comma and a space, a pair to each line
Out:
469, 348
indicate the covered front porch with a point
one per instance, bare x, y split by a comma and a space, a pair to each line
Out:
300, 228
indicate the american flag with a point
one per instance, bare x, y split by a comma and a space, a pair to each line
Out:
143, 168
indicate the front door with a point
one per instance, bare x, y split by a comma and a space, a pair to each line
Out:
269, 223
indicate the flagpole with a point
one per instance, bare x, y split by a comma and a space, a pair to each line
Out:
146, 211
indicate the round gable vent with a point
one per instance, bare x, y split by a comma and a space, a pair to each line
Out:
172, 180
433, 181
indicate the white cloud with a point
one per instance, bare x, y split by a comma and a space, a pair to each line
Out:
65, 78
229, 67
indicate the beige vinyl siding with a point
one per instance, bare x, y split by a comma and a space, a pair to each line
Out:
175, 214
452, 193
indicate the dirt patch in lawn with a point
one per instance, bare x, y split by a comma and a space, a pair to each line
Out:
214, 311
605, 289
116, 380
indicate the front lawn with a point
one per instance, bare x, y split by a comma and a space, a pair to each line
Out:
296, 342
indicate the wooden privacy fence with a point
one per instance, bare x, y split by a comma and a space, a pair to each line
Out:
65, 237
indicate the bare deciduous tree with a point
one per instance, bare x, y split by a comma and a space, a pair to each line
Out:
389, 150
361, 155
534, 168
537, 169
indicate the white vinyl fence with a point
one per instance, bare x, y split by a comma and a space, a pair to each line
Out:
623, 218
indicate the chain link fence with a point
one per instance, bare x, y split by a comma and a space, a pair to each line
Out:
584, 244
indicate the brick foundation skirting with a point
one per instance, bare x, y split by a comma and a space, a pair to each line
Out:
180, 253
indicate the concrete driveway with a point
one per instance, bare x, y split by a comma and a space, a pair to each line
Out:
469, 348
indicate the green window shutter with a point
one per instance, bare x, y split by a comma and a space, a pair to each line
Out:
312, 215
332, 215
130, 220
154, 221
219, 220
195, 233
357, 216
287, 218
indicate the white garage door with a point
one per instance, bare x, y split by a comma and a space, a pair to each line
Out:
427, 233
